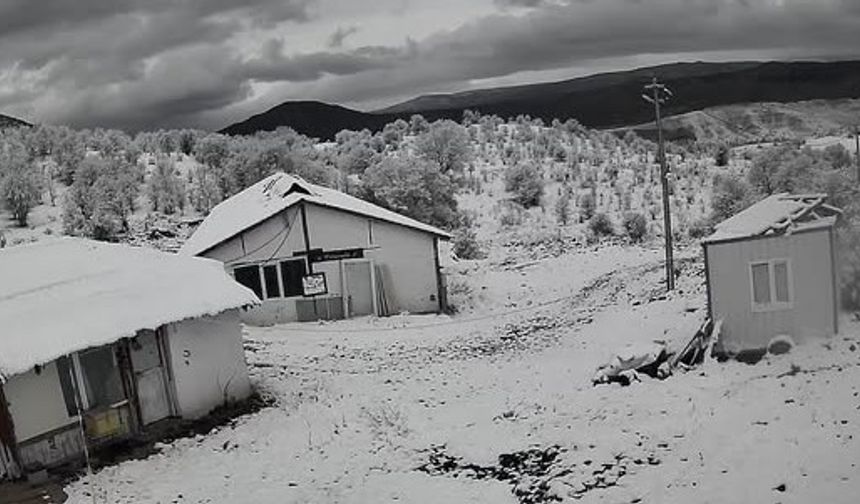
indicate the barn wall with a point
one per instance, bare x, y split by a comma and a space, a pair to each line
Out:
207, 363
408, 266
405, 257
731, 299
36, 402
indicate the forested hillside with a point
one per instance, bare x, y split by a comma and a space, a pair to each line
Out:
498, 185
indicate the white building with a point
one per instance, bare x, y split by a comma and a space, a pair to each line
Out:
101, 341
366, 260
772, 270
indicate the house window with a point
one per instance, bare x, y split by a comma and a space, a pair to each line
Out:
270, 276
102, 381
249, 276
292, 272
771, 285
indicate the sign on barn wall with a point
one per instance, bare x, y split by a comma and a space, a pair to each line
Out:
314, 285
320, 255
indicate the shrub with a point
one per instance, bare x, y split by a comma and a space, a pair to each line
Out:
562, 207
635, 226
700, 228
525, 182
587, 206
731, 195
601, 225
466, 245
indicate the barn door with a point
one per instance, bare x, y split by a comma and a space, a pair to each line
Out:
150, 377
359, 286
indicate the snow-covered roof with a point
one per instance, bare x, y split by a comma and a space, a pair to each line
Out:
775, 215
274, 194
69, 294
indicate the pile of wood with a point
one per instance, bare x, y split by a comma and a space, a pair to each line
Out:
656, 361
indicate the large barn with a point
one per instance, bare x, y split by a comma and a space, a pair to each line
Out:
772, 271
100, 342
311, 252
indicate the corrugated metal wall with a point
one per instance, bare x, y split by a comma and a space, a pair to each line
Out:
812, 313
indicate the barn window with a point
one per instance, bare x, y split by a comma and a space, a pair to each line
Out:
249, 276
270, 276
292, 272
771, 285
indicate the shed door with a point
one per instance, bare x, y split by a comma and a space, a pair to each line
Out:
358, 282
149, 374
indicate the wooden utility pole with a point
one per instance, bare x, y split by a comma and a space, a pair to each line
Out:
857, 150
658, 94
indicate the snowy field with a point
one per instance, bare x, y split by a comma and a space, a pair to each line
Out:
495, 405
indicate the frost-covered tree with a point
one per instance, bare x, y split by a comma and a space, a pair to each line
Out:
446, 144
525, 182
19, 181
414, 187
165, 187
101, 198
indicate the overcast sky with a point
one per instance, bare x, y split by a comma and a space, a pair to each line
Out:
146, 64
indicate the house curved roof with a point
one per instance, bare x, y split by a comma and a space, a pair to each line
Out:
276, 193
69, 294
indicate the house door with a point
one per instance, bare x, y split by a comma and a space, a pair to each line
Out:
150, 377
358, 283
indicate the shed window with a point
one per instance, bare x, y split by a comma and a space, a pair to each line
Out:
771, 284
270, 275
249, 276
761, 283
292, 272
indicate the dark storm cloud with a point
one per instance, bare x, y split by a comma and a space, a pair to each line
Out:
160, 63
559, 35
336, 39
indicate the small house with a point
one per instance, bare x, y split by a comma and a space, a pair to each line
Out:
772, 270
311, 252
100, 343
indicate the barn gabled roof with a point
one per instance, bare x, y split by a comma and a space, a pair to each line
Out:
274, 194
69, 294
777, 214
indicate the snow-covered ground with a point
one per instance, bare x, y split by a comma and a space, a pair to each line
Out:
496, 405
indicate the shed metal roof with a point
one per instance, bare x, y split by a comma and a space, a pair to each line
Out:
274, 194
775, 215
69, 294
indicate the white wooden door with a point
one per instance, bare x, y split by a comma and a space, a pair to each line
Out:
358, 280
149, 375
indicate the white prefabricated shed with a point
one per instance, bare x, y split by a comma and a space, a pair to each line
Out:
276, 232
106, 339
772, 270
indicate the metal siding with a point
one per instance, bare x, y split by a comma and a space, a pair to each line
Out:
812, 312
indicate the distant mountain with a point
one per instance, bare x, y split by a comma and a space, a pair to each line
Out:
312, 118
11, 122
607, 100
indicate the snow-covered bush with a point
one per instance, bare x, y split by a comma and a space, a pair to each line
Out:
601, 225
635, 226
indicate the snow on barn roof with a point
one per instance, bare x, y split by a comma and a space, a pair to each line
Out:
69, 294
274, 194
775, 215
